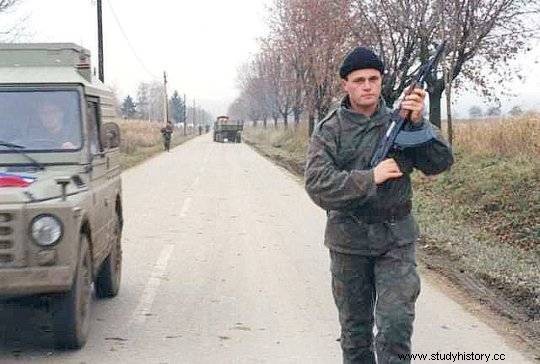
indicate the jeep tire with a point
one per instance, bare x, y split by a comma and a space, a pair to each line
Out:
71, 310
110, 274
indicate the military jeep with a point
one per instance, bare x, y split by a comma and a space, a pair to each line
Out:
60, 188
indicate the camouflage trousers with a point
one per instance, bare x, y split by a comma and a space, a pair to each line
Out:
167, 144
380, 291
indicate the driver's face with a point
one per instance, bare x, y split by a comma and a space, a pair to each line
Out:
51, 117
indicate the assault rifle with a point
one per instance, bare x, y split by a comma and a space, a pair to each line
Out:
395, 137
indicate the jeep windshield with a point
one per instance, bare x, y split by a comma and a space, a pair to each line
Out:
40, 120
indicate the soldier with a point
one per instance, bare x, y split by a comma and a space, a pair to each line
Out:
370, 230
53, 130
166, 132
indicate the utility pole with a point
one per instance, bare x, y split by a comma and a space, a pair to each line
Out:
100, 41
194, 115
184, 112
166, 101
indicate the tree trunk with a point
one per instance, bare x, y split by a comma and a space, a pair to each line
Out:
447, 77
297, 114
311, 121
435, 108
449, 111
322, 112
435, 94
389, 97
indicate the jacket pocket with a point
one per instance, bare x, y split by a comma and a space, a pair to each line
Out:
404, 231
348, 233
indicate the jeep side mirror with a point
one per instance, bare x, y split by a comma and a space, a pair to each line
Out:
110, 135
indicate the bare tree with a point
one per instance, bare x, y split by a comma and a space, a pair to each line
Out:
255, 92
277, 79
517, 110
156, 101
394, 29
494, 111
143, 101
5, 4
238, 109
288, 28
296, 69
13, 29
150, 101
484, 37
475, 111
313, 47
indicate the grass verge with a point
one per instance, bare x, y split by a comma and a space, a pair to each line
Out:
142, 140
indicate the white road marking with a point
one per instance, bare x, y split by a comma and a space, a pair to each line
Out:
185, 207
151, 288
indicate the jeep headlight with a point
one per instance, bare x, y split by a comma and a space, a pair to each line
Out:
46, 230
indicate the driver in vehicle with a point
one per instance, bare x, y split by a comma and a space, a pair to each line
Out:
53, 128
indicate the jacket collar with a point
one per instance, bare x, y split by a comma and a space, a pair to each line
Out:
379, 117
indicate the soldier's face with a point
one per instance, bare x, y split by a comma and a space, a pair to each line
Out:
363, 87
51, 117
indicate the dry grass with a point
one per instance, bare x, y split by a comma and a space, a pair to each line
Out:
142, 139
508, 137
502, 137
293, 141
138, 134
496, 178
287, 147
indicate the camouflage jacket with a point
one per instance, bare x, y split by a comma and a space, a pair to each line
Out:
338, 179
167, 131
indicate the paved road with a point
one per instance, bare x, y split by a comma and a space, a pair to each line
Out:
224, 263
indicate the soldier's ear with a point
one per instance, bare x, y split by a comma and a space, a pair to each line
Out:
344, 84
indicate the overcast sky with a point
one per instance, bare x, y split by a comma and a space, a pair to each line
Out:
200, 43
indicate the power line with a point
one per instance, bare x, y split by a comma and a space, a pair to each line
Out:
128, 41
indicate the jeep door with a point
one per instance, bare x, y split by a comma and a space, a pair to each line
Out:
102, 204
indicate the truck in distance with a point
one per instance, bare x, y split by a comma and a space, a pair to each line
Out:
227, 130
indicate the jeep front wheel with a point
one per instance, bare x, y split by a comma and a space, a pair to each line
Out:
110, 274
71, 310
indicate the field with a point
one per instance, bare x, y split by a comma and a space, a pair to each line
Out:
481, 220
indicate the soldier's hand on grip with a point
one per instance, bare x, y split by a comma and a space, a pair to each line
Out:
386, 170
413, 104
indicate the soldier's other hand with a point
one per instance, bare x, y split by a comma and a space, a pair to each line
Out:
415, 104
386, 170
68, 145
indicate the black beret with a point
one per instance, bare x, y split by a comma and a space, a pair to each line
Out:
360, 58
